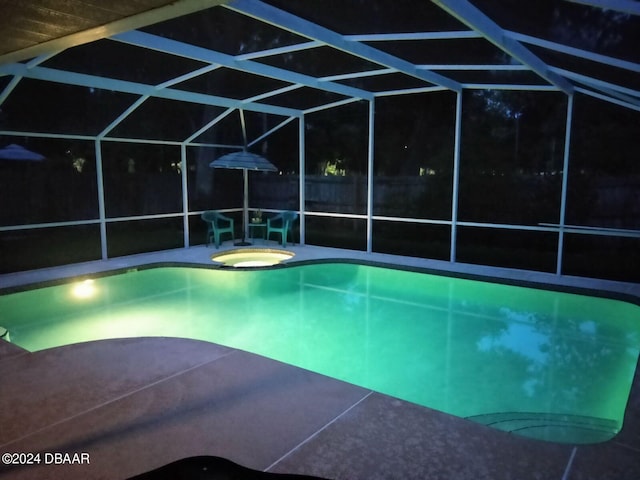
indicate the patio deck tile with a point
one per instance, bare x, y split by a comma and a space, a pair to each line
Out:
610, 461
43, 388
385, 438
241, 406
8, 349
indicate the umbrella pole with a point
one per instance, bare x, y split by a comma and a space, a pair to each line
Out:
245, 208
245, 216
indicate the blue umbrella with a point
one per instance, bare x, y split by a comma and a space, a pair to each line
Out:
17, 152
244, 161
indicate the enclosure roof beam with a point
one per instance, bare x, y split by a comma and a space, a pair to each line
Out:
278, 51
13, 83
272, 93
608, 98
141, 100
329, 105
576, 52
476, 67
366, 73
173, 47
621, 97
394, 37
475, 19
624, 6
512, 86
122, 116
609, 88
411, 91
84, 80
210, 124
188, 76
299, 26
269, 132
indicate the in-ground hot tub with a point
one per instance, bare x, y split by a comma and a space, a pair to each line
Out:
252, 257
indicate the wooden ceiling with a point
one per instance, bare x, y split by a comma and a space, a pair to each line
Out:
31, 28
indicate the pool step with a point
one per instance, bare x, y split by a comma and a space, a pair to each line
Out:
558, 427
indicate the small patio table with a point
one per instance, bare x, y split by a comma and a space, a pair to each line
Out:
260, 226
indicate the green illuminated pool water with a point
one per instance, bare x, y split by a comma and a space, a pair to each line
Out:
543, 364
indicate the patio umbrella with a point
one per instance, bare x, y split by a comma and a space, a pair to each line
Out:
18, 152
244, 161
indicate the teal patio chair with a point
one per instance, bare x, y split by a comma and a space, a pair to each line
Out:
217, 224
282, 224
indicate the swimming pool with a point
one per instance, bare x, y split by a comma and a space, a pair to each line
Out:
543, 364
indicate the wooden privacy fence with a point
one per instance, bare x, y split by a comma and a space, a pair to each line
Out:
339, 194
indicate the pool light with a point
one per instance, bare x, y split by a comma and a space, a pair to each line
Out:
84, 289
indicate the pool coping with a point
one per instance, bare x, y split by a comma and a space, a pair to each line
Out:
625, 296
202, 255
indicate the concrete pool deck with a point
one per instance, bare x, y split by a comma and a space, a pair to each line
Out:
136, 404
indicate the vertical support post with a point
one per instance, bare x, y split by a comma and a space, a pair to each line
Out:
456, 176
101, 203
185, 194
245, 183
301, 176
370, 177
565, 182
245, 205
